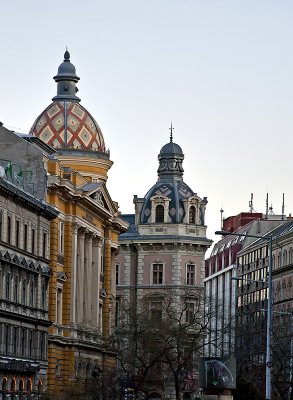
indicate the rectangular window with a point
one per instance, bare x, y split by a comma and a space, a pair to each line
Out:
33, 241
189, 313
7, 289
59, 306
42, 345
156, 311
25, 237
44, 245
61, 237
157, 274
17, 230
23, 341
1, 218
190, 274
8, 229
44, 296
30, 344
24, 292
6, 339
117, 274
16, 289
31, 300
15, 341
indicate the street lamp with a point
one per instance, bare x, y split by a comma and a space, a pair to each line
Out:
269, 239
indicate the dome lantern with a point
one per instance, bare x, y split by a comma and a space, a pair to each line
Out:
170, 159
66, 80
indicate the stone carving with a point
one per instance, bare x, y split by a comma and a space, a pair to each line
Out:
172, 165
99, 198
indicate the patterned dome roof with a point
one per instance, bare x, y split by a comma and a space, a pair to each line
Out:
68, 125
176, 190
65, 124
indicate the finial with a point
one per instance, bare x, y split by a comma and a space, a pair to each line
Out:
171, 134
66, 55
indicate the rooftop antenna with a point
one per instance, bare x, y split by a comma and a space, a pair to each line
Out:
271, 212
171, 133
267, 206
251, 203
283, 207
222, 219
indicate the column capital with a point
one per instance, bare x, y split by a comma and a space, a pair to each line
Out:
98, 240
89, 236
75, 227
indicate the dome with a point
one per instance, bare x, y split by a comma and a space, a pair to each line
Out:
170, 184
68, 125
176, 190
66, 69
65, 124
171, 148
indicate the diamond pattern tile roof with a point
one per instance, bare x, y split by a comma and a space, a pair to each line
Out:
68, 125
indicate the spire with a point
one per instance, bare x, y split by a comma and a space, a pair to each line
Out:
171, 133
66, 56
66, 80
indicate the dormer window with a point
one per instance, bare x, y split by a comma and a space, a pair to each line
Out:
159, 213
159, 209
192, 215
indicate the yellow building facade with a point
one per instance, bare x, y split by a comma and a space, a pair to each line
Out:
84, 238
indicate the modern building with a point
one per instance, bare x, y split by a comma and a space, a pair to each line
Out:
84, 238
221, 270
24, 269
162, 252
252, 305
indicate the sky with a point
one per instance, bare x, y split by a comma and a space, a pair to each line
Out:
221, 71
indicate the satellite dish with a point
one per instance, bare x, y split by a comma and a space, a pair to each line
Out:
2, 172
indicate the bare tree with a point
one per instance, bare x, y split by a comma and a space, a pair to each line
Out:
159, 341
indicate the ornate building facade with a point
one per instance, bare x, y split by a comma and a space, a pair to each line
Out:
24, 269
162, 253
84, 238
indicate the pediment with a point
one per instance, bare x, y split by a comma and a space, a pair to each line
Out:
98, 192
61, 276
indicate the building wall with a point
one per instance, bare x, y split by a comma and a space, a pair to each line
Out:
82, 288
24, 280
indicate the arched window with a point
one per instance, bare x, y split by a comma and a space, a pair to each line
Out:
13, 385
21, 385
279, 260
40, 385
29, 385
159, 213
192, 215
284, 258
4, 383
290, 255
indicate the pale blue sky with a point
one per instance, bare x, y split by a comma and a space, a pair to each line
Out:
220, 70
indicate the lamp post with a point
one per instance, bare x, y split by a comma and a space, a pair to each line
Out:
269, 239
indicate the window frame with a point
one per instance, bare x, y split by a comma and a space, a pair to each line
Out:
158, 277
190, 275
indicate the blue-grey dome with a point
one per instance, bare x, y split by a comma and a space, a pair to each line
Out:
176, 190
66, 69
171, 148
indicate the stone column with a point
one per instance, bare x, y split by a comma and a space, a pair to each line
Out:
107, 284
96, 273
80, 277
88, 276
74, 274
